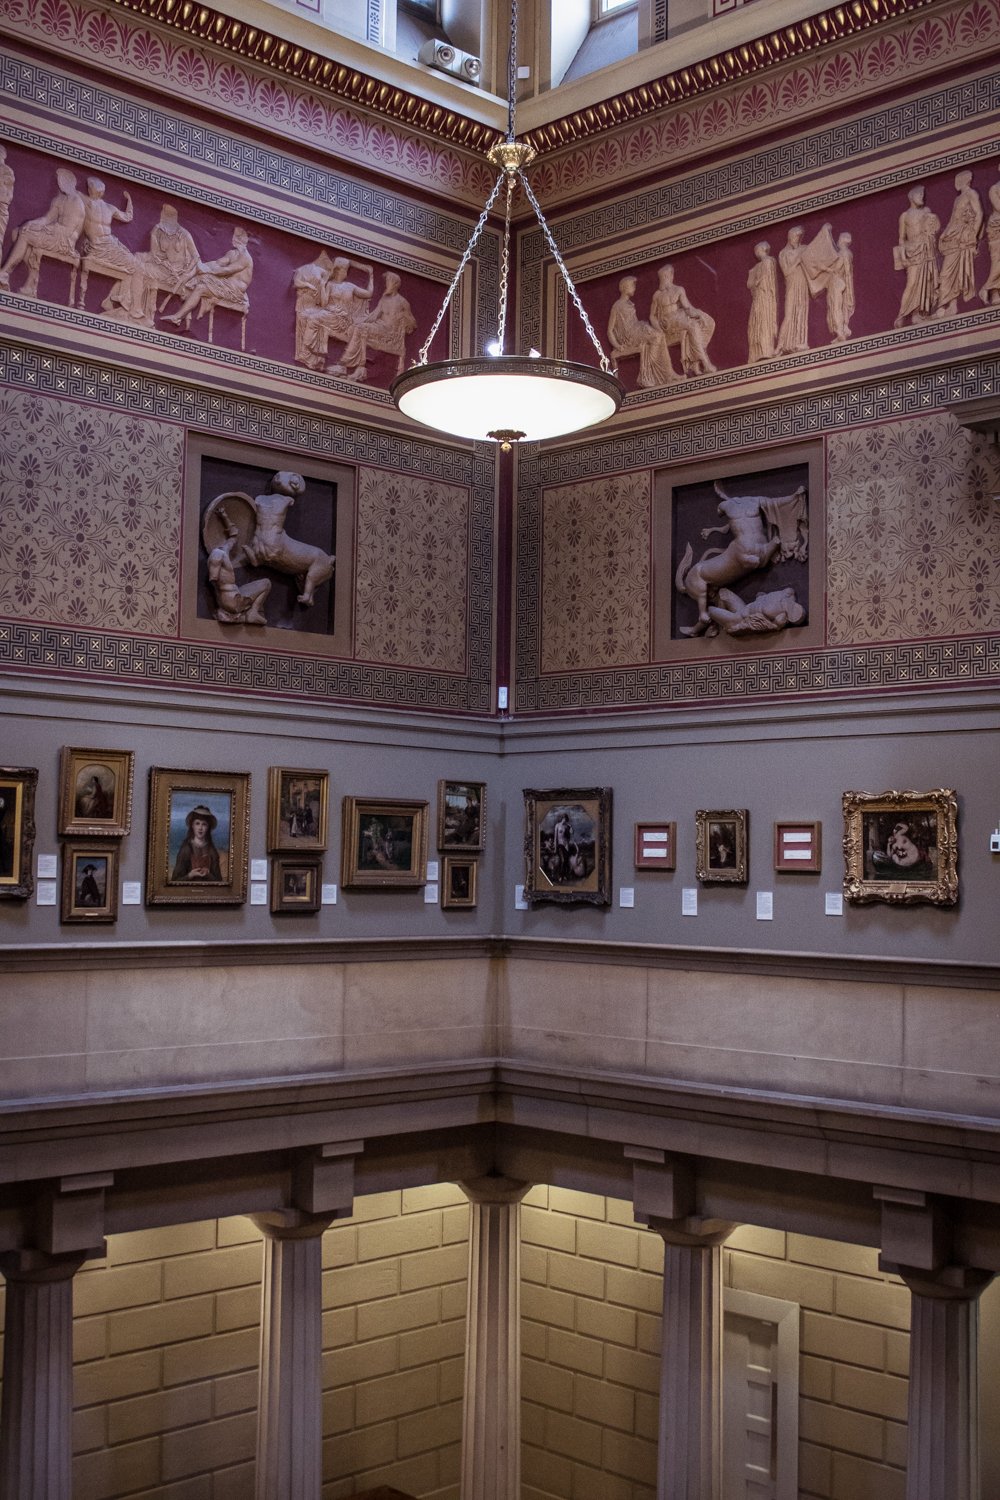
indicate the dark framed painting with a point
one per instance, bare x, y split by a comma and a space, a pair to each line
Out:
89, 882
567, 846
720, 840
461, 816
901, 847
384, 843
296, 883
17, 831
798, 848
196, 850
296, 809
655, 846
95, 792
458, 882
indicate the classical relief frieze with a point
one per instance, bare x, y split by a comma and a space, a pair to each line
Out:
835, 281
146, 264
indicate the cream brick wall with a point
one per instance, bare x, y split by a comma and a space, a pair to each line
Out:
591, 1342
166, 1333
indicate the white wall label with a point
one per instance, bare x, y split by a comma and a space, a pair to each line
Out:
258, 894
689, 901
45, 893
432, 869
131, 893
431, 894
258, 869
834, 904
519, 902
626, 895
765, 906
48, 866
328, 896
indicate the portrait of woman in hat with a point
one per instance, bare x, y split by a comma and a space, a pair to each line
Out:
197, 857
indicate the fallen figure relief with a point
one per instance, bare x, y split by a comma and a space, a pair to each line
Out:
239, 530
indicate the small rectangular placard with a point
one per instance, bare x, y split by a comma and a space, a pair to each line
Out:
48, 866
834, 904
328, 896
131, 893
655, 846
797, 848
765, 906
258, 869
626, 895
45, 893
689, 901
258, 893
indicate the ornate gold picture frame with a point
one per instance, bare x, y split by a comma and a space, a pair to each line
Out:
567, 846
721, 846
89, 883
297, 809
384, 843
295, 883
901, 847
461, 824
95, 792
17, 831
458, 882
196, 851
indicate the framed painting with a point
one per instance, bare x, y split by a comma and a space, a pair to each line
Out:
95, 792
798, 848
901, 847
461, 816
458, 882
656, 846
295, 883
567, 846
89, 882
384, 843
296, 809
17, 831
721, 846
196, 850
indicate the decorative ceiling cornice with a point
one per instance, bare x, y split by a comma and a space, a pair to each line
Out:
317, 71
737, 63
353, 86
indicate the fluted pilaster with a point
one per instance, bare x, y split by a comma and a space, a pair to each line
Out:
491, 1422
289, 1412
690, 1435
37, 1409
942, 1461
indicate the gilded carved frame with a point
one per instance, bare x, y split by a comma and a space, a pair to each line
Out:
901, 847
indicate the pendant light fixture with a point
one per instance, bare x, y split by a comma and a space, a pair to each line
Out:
499, 395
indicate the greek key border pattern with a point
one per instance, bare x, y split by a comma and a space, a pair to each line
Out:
102, 653
785, 674
932, 664
685, 195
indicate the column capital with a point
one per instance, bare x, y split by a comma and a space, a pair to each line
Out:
948, 1284
495, 1189
292, 1224
692, 1232
38, 1266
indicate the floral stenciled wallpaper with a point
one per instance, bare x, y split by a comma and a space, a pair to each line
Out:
595, 598
913, 532
411, 575
91, 506
912, 548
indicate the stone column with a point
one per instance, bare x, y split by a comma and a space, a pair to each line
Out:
289, 1411
491, 1418
690, 1436
37, 1409
942, 1456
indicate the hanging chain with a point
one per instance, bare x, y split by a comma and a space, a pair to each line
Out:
605, 362
512, 72
466, 257
505, 261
